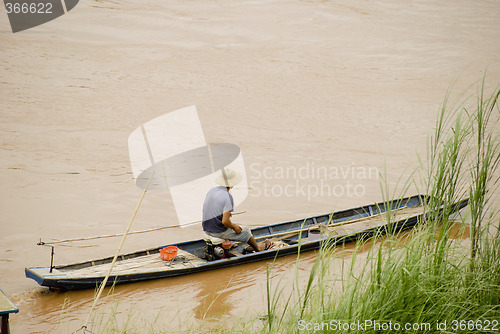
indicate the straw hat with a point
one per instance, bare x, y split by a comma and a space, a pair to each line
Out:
228, 178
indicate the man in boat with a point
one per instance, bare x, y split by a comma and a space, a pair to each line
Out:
217, 210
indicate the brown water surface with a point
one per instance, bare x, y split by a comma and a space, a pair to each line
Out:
352, 86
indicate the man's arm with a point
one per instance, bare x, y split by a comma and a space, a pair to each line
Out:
226, 220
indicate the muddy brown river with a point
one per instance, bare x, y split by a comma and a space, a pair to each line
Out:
322, 97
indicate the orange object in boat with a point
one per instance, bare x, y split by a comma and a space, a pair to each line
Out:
168, 253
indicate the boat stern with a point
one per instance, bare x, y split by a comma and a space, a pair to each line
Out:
44, 276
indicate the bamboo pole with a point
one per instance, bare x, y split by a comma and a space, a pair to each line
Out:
121, 234
103, 283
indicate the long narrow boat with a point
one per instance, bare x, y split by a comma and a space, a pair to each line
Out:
288, 237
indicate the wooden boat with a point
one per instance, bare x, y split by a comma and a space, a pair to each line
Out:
334, 228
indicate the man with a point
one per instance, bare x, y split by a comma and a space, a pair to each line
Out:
217, 210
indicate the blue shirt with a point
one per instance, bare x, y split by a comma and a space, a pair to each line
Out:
217, 201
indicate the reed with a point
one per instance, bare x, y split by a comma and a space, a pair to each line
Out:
432, 282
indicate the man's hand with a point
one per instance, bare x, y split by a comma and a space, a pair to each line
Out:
227, 222
236, 228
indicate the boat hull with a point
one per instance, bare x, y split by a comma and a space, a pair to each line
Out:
130, 269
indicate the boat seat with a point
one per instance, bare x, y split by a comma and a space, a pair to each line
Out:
213, 240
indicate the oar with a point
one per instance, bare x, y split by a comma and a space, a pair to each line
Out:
315, 227
365, 218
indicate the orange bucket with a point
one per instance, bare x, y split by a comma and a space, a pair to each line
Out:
168, 253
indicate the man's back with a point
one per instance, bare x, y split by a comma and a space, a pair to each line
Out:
217, 201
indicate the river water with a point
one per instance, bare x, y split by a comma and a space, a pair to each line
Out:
302, 87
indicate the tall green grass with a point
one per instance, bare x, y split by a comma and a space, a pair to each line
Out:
432, 283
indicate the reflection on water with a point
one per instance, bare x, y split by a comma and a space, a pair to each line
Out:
216, 289
459, 230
